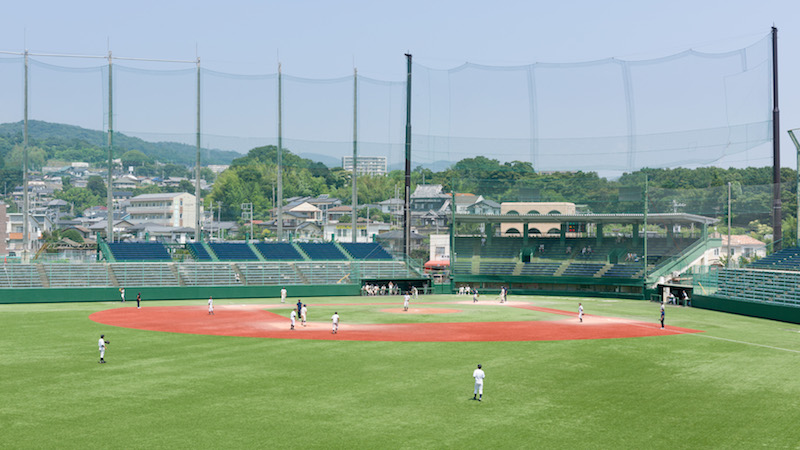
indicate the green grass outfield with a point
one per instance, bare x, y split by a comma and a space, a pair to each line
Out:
736, 385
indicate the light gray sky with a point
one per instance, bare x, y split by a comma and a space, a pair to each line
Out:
326, 39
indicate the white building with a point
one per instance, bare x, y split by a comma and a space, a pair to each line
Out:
175, 209
741, 245
343, 232
367, 165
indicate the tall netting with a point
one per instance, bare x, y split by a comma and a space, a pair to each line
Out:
688, 108
155, 105
238, 112
691, 108
12, 85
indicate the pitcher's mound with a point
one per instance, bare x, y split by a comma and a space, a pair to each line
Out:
420, 311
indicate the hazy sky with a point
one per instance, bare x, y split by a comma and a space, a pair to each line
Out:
326, 39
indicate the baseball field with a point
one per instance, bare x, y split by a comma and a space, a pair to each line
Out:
178, 377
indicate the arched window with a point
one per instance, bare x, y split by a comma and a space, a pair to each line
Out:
512, 213
534, 231
533, 211
513, 231
554, 212
555, 231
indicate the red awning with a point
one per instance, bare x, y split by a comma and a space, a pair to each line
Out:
437, 264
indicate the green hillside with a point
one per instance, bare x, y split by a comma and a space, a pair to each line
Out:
72, 143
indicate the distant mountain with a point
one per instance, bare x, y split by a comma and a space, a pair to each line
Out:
165, 152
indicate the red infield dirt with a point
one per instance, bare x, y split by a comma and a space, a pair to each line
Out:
256, 321
420, 311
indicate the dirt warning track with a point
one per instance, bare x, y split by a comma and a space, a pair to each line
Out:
256, 321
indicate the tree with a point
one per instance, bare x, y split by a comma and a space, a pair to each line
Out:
96, 186
134, 158
36, 158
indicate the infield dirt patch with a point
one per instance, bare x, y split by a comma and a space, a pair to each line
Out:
256, 321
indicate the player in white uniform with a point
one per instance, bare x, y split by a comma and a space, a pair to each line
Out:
211, 305
335, 320
303, 313
283, 295
101, 344
293, 317
406, 298
479, 376
580, 312
414, 292
122, 293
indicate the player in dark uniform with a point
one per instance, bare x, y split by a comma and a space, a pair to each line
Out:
299, 307
138, 300
662, 316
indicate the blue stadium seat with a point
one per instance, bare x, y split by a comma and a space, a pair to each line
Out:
139, 251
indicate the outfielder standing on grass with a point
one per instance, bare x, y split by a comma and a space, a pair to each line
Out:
102, 347
283, 295
211, 305
122, 293
139, 300
478, 374
335, 320
474, 296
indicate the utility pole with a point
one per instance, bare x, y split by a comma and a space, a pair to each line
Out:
407, 205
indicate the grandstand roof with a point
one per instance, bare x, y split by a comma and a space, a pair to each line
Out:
665, 218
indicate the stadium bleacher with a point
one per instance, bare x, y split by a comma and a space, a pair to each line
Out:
322, 251
139, 251
785, 259
371, 251
77, 275
540, 269
198, 251
207, 274
144, 274
233, 251
623, 271
278, 251
20, 276
582, 269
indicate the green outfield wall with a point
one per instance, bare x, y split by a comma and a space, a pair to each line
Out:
110, 294
783, 313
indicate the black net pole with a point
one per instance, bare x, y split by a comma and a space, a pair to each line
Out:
407, 206
776, 150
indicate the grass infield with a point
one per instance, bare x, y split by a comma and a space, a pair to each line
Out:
733, 386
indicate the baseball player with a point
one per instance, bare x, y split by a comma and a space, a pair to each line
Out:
122, 293
299, 306
406, 298
283, 295
139, 300
414, 292
478, 374
303, 313
474, 296
211, 305
335, 320
662, 315
580, 312
102, 343
293, 318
